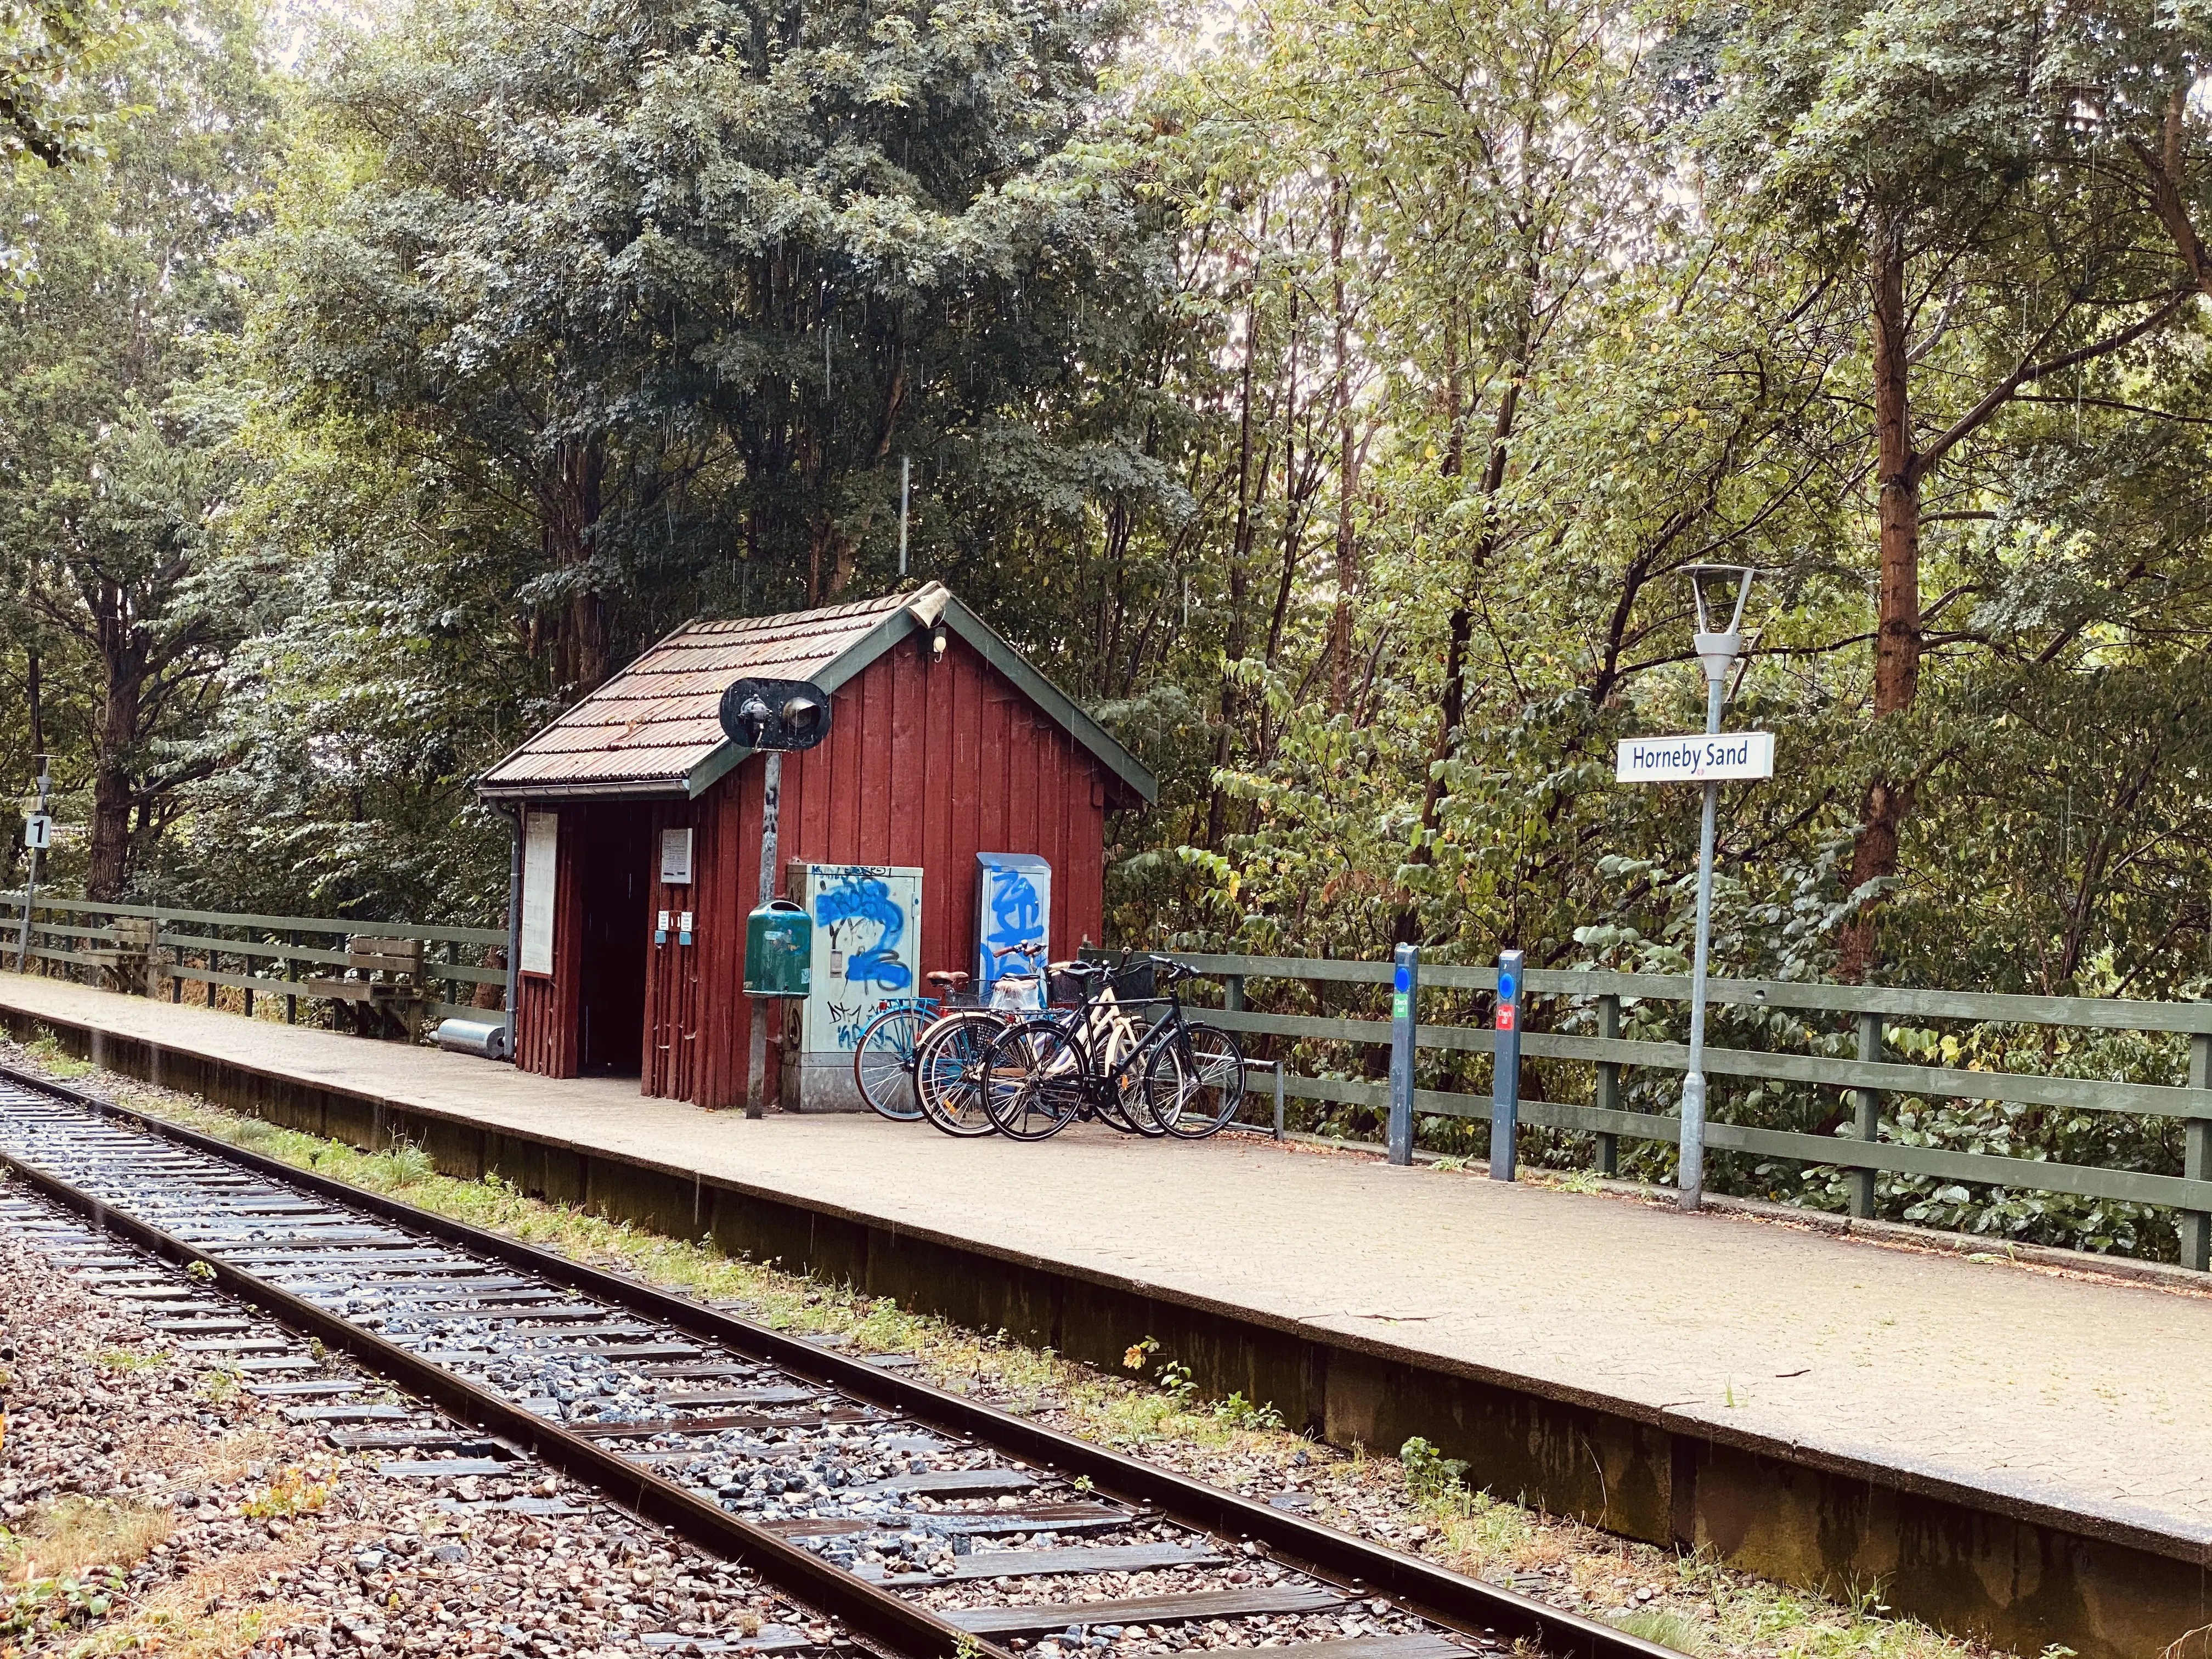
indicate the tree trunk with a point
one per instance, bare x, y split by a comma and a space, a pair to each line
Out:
1240, 548
37, 706
1887, 800
123, 671
588, 636
571, 535
1347, 468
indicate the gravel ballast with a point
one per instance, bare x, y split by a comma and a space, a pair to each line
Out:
152, 1499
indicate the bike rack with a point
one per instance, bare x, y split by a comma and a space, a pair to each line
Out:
1276, 1067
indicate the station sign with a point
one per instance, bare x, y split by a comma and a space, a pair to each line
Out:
1701, 759
38, 832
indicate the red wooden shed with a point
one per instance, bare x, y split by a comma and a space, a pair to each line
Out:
943, 744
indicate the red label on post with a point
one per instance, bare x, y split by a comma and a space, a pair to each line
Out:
1505, 1015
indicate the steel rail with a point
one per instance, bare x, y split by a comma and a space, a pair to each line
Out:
1456, 1600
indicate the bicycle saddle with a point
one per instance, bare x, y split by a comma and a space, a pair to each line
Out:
951, 981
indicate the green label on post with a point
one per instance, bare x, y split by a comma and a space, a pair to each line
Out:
1401, 1005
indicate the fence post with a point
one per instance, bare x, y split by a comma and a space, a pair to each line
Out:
1505, 1070
292, 977
1608, 1086
2197, 1158
1405, 997
1233, 992
1279, 1099
1867, 1115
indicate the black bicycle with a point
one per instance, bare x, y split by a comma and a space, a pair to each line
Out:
1173, 1076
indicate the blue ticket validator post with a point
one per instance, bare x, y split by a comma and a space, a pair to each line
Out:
1405, 995
1505, 1073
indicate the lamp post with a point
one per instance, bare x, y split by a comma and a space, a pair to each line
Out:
1718, 590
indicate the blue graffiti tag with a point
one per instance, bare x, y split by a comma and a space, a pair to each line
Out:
857, 901
1017, 918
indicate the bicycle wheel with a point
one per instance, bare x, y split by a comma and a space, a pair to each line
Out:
1195, 1085
948, 1069
883, 1063
1124, 1103
1034, 1080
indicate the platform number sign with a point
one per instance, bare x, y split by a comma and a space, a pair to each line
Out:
39, 832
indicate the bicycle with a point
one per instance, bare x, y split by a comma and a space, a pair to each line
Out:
883, 1059
1041, 1075
948, 1055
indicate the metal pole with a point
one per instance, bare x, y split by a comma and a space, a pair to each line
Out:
1405, 997
757, 1064
31, 879
1690, 1178
906, 482
1505, 1069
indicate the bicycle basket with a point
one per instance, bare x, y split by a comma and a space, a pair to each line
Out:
1136, 983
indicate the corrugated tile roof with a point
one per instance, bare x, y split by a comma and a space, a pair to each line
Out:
660, 719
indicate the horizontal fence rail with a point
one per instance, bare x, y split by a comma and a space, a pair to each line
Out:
1599, 997
258, 955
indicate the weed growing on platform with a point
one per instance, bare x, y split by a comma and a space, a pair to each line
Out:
1418, 1501
54, 1060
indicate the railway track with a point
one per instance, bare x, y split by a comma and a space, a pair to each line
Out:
924, 1524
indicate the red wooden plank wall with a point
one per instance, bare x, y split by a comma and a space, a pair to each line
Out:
926, 764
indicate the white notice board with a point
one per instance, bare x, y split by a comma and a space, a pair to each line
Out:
541, 863
676, 858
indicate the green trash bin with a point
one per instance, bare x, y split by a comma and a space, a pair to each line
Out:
779, 951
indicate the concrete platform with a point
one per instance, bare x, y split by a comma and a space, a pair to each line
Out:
2015, 1454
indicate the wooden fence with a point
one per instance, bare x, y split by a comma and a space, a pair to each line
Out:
1596, 999
261, 956
264, 955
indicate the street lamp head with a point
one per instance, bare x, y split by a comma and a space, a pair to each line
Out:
1720, 592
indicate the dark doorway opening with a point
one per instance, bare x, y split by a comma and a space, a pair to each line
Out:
617, 938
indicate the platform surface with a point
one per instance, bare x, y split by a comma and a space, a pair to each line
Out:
2038, 1388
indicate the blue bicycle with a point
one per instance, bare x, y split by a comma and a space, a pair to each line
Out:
883, 1059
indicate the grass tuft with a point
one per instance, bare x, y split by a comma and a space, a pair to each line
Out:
1668, 1628
71, 1535
129, 1360
290, 1493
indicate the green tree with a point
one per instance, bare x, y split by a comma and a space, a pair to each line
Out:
680, 286
1925, 153
118, 464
